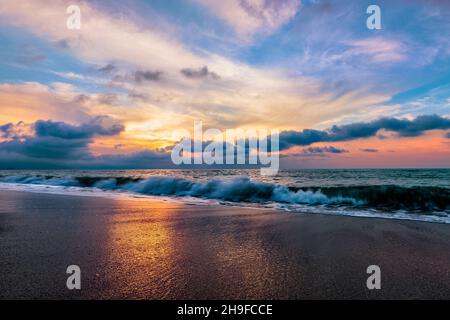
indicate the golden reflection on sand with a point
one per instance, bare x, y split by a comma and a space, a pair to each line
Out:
141, 248
167, 251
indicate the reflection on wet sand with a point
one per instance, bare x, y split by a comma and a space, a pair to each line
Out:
141, 250
229, 257
159, 251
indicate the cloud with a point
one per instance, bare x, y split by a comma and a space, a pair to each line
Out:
69, 75
199, 73
56, 140
108, 98
315, 152
29, 55
50, 144
6, 130
101, 37
447, 135
378, 49
109, 68
47, 147
141, 76
31, 101
248, 17
329, 149
403, 127
12, 131
369, 150
99, 126
76, 157
247, 95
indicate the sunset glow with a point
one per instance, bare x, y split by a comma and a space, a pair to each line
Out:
151, 68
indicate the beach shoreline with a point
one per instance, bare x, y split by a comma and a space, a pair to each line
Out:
152, 249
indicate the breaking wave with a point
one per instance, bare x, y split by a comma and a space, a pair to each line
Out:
240, 189
244, 190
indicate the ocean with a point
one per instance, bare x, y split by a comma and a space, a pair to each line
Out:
412, 194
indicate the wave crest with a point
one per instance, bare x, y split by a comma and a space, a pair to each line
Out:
242, 189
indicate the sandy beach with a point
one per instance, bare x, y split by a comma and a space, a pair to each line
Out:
158, 250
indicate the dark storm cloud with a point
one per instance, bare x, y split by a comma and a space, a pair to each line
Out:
201, 73
47, 147
62, 145
50, 152
302, 138
56, 140
403, 127
99, 126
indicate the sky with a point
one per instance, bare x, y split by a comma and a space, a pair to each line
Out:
113, 93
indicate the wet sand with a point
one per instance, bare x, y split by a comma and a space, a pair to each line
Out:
157, 250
